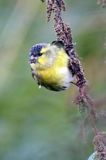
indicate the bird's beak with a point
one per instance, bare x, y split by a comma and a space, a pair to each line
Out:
32, 59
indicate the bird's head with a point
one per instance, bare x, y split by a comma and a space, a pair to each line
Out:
43, 55
35, 52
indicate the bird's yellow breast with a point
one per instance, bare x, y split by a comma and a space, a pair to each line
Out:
57, 72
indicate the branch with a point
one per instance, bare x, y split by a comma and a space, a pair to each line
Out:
64, 34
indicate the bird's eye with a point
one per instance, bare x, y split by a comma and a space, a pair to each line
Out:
36, 50
40, 54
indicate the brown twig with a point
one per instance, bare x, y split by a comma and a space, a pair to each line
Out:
64, 34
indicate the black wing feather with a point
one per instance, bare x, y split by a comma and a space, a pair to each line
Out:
59, 44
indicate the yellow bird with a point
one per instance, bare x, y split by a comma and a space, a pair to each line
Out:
51, 66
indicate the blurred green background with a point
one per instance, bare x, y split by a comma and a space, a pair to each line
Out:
37, 124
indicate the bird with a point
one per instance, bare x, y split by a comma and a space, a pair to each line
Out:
51, 66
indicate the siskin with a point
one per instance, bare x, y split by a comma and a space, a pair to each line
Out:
51, 66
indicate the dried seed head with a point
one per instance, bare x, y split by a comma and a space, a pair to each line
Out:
100, 145
64, 34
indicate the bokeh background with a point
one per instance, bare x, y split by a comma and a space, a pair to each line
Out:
37, 124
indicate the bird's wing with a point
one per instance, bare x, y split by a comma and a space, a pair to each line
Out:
60, 44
